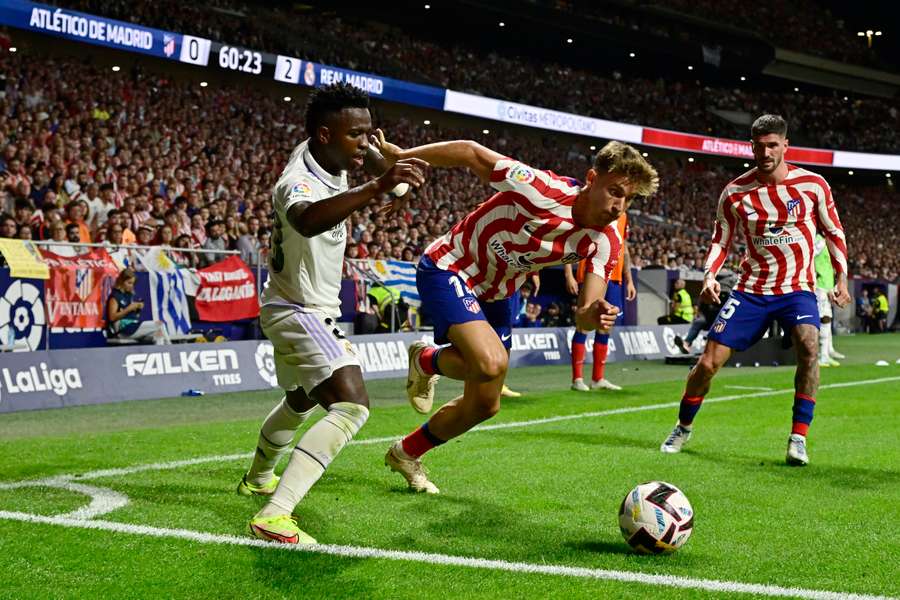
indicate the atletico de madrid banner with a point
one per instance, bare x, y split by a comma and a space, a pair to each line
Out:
227, 292
78, 288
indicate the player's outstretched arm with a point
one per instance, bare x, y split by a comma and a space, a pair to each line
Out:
723, 232
571, 282
313, 218
593, 312
457, 153
630, 289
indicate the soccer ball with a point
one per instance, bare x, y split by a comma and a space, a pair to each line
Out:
656, 518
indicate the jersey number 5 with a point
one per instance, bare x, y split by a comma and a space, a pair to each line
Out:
729, 308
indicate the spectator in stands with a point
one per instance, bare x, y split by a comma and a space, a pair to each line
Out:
24, 211
552, 316
174, 223
100, 205
389, 306
8, 226
24, 232
864, 310
880, 309
189, 260
681, 308
264, 237
146, 235
118, 217
123, 313
75, 216
707, 313
532, 317
58, 233
73, 233
249, 245
165, 237
214, 241
198, 229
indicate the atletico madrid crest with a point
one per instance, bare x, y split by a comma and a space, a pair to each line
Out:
472, 305
793, 207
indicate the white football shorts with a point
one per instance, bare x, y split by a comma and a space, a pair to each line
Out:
824, 303
309, 346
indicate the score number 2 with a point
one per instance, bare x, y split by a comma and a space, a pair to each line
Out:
287, 69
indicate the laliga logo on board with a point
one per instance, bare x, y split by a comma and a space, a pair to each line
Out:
265, 363
22, 316
58, 381
669, 341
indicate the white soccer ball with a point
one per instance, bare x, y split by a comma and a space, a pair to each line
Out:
656, 518
399, 190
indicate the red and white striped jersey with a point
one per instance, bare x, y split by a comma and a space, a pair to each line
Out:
525, 227
779, 223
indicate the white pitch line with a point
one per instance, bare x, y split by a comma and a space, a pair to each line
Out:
674, 581
749, 387
383, 440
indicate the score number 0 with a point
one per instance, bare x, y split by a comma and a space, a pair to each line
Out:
194, 50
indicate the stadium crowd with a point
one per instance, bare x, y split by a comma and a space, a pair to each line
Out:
802, 25
821, 119
139, 159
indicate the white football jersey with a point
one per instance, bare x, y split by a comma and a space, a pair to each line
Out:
305, 271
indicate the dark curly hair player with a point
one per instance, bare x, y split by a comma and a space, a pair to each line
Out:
315, 363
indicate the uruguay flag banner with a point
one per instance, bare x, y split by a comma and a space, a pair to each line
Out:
168, 301
401, 275
393, 273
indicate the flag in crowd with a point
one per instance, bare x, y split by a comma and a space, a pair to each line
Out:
168, 301
393, 273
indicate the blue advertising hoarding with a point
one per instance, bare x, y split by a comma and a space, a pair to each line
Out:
82, 27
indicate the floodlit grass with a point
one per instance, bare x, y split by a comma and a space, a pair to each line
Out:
543, 493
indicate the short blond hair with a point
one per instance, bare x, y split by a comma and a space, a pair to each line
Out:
622, 159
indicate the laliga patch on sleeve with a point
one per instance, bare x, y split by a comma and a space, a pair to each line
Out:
301, 191
520, 173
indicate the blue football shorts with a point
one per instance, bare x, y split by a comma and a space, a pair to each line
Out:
447, 301
744, 318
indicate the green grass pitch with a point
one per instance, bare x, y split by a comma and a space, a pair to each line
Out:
540, 496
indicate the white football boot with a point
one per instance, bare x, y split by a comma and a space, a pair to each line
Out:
605, 384
678, 438
411, 469
796, 451
579, 385
419, 385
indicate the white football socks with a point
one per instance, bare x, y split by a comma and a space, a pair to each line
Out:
314, 452
824, 342
275, 437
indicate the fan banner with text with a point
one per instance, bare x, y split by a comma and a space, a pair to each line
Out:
227, 292
78, 287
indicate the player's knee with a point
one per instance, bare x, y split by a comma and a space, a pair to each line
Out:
345, 385
486, 408
807, 353
707, 366
491, 364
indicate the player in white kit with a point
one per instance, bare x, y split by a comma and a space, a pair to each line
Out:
314, 362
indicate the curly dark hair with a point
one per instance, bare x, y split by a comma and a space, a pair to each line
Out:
332, 98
